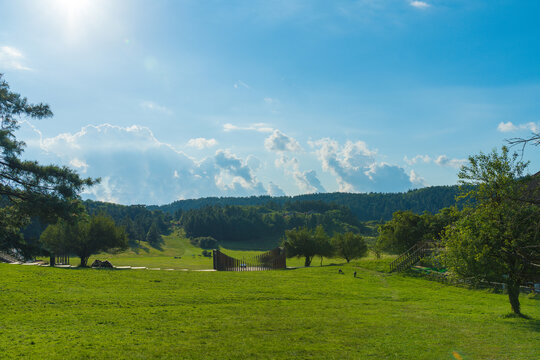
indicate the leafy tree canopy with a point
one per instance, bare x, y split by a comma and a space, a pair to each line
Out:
307, 243
88, 236
498, 240
407, 228
349, 246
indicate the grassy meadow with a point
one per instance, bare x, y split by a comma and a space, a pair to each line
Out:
305, 313
176, 252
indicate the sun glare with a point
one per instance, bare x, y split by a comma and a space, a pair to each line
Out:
72, 10
73, 16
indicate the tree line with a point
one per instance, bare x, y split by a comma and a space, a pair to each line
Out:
366, 207
249, 223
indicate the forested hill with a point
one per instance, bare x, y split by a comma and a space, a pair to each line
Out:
372, 206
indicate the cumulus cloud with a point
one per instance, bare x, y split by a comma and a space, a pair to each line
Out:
79, 164
135, 167
275, 190
259, 127
11, 59
253, 162
152, 106
419, 4
307, 181
418, 158
443, 160
510, 127
201, 143
282, 145
356, 170
417, 180
279, 142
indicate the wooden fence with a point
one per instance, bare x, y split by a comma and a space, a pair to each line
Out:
270, 260
62, 259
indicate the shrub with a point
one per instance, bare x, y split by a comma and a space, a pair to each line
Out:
206, 242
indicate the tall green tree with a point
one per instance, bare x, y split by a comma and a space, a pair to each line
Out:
88, 236
404, 230
306, 243
349, 246
26, 187
324, 245
153, 237
498, 239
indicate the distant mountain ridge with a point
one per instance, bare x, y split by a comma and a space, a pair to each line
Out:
367, 206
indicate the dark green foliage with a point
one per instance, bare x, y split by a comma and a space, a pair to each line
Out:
248, 223
136, 219
27, 188
85, 237
407, 228
152, 237
206, 242
206, 253
365, 207
307, 243
349, 246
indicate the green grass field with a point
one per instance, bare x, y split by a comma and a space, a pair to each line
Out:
305, 313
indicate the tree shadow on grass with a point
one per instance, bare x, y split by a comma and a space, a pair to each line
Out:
526, 321
136, 248
158, 245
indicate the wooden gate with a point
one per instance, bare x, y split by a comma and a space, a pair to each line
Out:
270, 260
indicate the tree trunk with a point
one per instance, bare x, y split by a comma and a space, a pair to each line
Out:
308, 261
513, 295
84, 261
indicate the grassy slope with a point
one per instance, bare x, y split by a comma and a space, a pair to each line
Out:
176, 245
173, 245
302, 313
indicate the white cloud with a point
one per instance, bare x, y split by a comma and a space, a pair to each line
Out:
279, 142
150, 105
443, 160
510, 127
275, 190
417, 180
355, 168
253, 162
240, 84
259, 127
11, 59
136, 168
79, 164
419, 4
201, 143
307, 181
423, 158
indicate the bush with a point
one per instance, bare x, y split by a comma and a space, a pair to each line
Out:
206, 242
207, 253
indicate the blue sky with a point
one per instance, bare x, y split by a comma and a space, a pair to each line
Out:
167, 100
